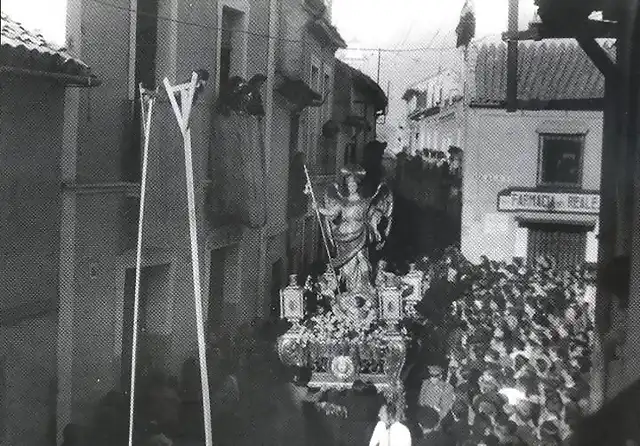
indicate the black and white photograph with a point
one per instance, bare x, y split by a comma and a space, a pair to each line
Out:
320, 223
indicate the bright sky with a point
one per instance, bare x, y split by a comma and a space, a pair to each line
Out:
47, 16
387, 23
406, 24
363, 23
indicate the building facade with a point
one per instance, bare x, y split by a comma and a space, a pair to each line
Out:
36, 79
243, 245
530, 183
434, 111
532, 177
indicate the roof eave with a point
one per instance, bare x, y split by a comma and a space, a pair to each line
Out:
584, 104
326, 31
68, 80
364, 82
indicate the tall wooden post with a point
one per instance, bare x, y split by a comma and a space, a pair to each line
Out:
146, 103
512, 58
183, 114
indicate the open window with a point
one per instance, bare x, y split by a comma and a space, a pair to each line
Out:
145, 60
233, 17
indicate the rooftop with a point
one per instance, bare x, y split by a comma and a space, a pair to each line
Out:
364, 82
27, 52
548, 70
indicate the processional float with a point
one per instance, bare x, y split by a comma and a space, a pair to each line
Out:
358, 337
184, 93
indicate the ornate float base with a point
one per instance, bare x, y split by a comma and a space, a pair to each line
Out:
337, 362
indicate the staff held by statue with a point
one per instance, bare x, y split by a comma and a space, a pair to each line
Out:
308, 190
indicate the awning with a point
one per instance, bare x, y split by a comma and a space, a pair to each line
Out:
298, 92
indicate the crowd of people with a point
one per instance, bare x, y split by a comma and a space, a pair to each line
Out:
504, 360
516, 368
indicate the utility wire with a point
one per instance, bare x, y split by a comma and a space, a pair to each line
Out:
266, 36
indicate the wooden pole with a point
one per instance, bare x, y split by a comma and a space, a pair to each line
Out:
318, 216
183, 116
146, 124
512, 58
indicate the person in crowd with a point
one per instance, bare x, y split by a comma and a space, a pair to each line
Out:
390, 431
432, 434
361, 420
435, 392
224, 395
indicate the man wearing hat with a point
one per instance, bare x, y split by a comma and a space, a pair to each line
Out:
436, 393
429, 423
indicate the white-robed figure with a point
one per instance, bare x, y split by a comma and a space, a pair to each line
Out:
390, 431
352, 222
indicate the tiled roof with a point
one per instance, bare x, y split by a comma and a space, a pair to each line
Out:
548, 70
24, 49
377, 95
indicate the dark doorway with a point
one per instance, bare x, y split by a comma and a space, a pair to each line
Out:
277, 273
153, 315
216, 289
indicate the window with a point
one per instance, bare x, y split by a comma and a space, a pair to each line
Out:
560, 160
313, 117
232, 38
326, 91
144, 72
225, 63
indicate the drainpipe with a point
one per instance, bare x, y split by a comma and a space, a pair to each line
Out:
268, 124
68, 218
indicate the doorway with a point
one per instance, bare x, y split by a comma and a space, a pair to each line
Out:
565, 243
154, 321
215, 313
277, 283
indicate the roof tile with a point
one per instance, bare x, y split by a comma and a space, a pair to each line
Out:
547, 70
22, 48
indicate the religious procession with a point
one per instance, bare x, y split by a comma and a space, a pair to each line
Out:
319, 223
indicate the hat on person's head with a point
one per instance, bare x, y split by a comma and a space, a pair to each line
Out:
486, 407
428, 417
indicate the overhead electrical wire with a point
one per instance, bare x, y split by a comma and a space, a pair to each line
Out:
266, 36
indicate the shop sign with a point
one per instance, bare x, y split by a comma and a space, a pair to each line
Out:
513, 200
